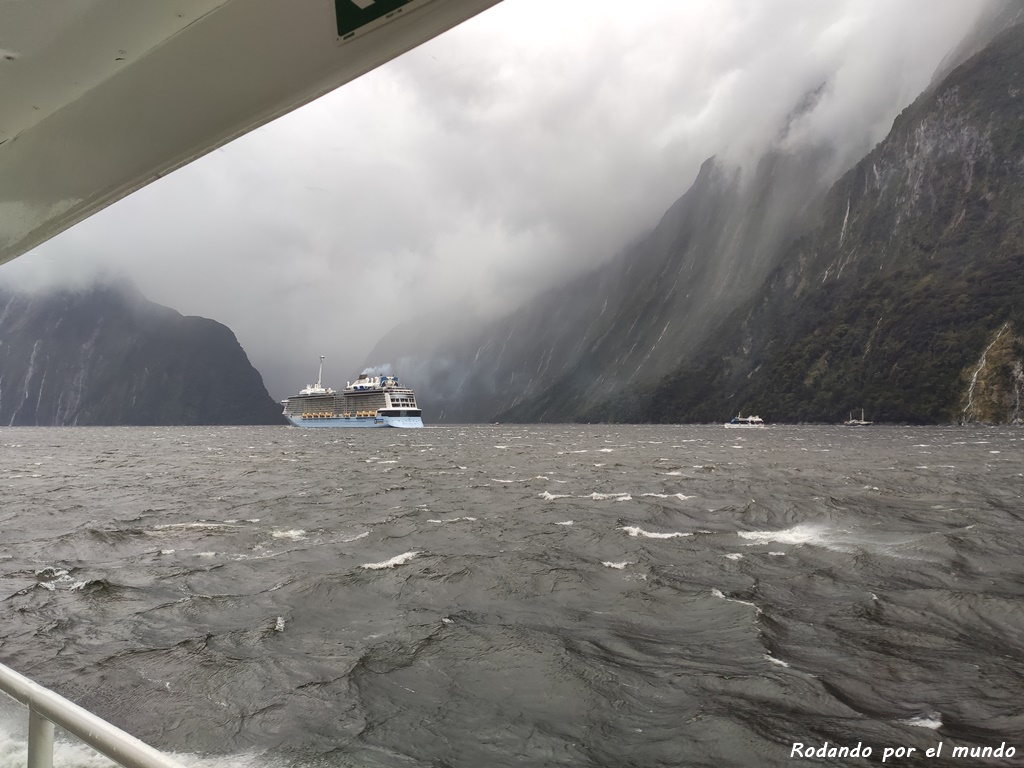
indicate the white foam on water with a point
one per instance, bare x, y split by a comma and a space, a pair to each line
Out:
52, 573
195, 526
452, 520
617, 566
932, 720
608, 496
362, 535
734, 556
14, 754
72, 753
635, 531
777, 554
552, 496
773, 660
295, 534
840, 540
673, 474
798, 534
605, 450
397, 560
721, 595
50, 577
565, 522
680, 496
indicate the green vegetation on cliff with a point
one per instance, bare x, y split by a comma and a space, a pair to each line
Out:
916, 266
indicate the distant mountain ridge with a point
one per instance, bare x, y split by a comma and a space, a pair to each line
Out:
105, 355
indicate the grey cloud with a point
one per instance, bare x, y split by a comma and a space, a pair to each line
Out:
527, 144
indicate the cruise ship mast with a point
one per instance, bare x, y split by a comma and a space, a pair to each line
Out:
318, 388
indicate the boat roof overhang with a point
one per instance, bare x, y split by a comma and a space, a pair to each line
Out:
101, 97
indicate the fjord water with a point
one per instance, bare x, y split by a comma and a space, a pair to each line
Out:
519, 595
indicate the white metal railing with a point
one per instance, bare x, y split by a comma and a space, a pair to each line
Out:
46, 708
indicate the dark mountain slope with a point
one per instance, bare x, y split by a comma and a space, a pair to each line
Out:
907, 299
106, 355
718, 304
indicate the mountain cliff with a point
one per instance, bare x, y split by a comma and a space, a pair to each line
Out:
107, 355
628, 322
894, 288
906, 298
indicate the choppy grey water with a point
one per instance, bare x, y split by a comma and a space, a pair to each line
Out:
507, 596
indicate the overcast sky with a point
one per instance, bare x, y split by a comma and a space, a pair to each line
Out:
513, 151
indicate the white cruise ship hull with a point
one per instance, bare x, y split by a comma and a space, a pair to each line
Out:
365, 422
367, 403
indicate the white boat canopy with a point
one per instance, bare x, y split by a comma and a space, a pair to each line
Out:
101, 97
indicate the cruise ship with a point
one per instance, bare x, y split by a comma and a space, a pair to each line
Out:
369, 401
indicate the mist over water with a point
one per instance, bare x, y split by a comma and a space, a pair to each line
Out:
522, 595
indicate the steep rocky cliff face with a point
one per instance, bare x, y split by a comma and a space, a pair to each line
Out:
629, 322
905, 299
106, 355
785, 293
993, 388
